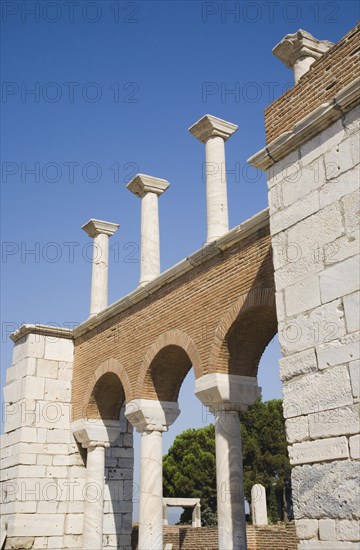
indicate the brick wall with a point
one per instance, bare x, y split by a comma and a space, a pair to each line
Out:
271, 537
192, 306
326, 77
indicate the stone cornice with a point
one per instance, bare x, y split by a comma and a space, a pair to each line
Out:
142, 184
308, 127
242, 231
44, 330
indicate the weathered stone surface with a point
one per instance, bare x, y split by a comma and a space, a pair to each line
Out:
297, 429
340, 279
347, 530
318, 451
302, 181
327, 545
306, 528
339, 352
342, 248
354, 369
343, 421
327, 529
354, 443
298, 363
322, 143
294, 213
283, 169
328, 490
340, 183
352, 309
352, 209
59, 349
317, 391
302, 296
321, 325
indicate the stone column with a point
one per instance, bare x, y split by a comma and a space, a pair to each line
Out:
196, 516
151, 418
214, 132
227, 395
100, 231
148, 189
258, 505
298, 51
95, 436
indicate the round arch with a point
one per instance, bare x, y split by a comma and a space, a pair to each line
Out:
107, 390
243, 333
166, 364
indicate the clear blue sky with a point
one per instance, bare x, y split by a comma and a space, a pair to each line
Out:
116, 86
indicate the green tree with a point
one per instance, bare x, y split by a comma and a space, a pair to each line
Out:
190, 469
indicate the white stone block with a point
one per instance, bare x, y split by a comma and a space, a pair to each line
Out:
40, 542
32, 345
354, 443
319, 391
323, 142
275, 198
351, 211
65, 371
12, 392
294, 213
343, 421
58, 436
59, 349
352, 311
74, 524
340, 279
320, 325
342, 248
340, 351
33, 387
302, 181
55, 543
25, 367
340, 186
283, 169
354, 369
306, 528
73, 541
297, 429
351, 121
280, 306
58, 390
347, 530
302, 296
47, 368
36, 525
319, 451
298, 363
327, 529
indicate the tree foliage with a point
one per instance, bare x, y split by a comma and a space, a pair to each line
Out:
189, 467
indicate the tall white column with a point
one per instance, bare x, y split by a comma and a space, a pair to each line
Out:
214, 132
94, 436
100, 231
298, 51
94, 497
226, 395
149, 189
258, 505
151, 418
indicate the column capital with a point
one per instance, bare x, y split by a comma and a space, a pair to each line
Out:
300, 44
96, 432
151, 415
99, 227
211, 126
142, 184
227, 392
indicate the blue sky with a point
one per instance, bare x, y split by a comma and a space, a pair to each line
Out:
115, 86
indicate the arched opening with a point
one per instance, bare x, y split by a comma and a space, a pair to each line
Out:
107, 398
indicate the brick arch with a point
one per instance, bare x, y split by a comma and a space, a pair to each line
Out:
107, 390
249, 324
176, 348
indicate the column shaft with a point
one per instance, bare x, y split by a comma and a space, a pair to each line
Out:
216, 192
94, 499
150, 239
151, 492
229, 479
99, 284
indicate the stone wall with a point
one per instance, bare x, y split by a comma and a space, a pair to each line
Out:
43, 485
270, 537
314, 220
